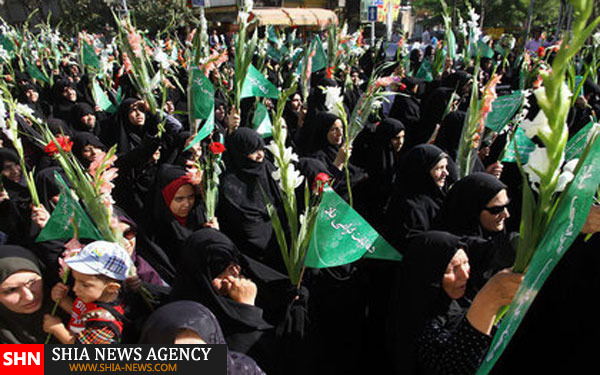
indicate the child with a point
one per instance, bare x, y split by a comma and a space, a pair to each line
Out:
98, 270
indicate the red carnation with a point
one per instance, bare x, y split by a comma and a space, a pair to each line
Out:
216, 148
541, 52
64, 142
320, 181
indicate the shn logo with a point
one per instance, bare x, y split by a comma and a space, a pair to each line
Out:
21, 358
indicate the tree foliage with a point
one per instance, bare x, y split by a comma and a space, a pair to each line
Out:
509, 14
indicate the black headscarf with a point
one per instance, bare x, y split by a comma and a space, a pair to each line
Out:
45, 183
419, 296
62, 106
449, 134
324, 151
165, 323
457, 80
465, 201
82, 139
432, 110
77, 112
20, 328
240, 144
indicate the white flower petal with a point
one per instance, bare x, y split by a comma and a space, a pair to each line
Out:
563, 180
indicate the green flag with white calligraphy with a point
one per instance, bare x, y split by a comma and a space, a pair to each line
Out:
503, 110
202, 94
89, 56
101, 99
424, 71
523, 144
342, 236
576, 144
256, 84
319, 60
262, 121
565, 226
35, 72
66, 213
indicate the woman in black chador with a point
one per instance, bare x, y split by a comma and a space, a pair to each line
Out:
260, 312
245, 189
421, 187
173, 211
434, 325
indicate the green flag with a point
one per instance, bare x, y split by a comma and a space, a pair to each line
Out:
524, 145
262, 121
207, 128
503, 109
565, 226
202, 95
256, 84
271, 34
89, 56
35, 72
273, 53
342, 236
424, 71
101, 99
451, 45
576, 144
319, 60
67, 212
7, 45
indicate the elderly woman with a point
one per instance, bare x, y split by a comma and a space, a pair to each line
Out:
22, 302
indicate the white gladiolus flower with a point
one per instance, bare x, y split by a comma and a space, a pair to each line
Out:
3, 54
542, 98
162, 58
567, 175
539, 125
333, 95
596, 38
538, 164
3, 126
24, 110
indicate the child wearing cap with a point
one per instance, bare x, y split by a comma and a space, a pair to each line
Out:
98, 270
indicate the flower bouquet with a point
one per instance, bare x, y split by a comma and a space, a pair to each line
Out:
206, 174
288, 178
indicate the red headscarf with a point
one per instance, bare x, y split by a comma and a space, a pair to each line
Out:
169, 191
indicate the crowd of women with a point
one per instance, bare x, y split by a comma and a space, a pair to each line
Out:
222, 279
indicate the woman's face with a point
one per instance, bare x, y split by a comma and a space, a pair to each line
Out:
398, 141
136, 116
188, 337
495, 213
296, 102
88, 120
12, 171
335, 135
22, 292
257, 156
129, 236
439, 172
220, 113
183, 201
89, 152
70, 94
32, 95
454, 281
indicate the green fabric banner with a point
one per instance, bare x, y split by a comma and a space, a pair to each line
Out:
562, 231
7, 45
424, 71
35, 72
319, 60
207, 128
503, 110
67, 212
101, 99
273, 53
256, 84
576, 144
451, 45
89, 56
271, 34
262, 121
342, 236
524, 145
202, 94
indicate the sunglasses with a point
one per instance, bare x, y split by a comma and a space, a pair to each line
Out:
495, 210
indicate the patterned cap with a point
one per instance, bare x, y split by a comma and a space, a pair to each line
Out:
102, 258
